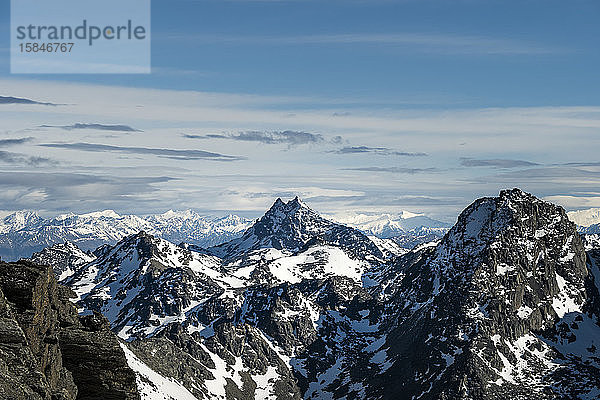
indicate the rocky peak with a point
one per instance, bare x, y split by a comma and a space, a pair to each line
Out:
65, 258
292, 222
516, 252
142, 243
293, 209
293, 226
485, 303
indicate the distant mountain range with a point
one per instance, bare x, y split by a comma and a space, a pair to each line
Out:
25, 232
585, 218
387, 226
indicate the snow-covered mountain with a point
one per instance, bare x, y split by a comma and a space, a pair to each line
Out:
585, 218
588, 225
165, 299
387, 226
65, 259
505, 305
24, 233
293, 226
407, 230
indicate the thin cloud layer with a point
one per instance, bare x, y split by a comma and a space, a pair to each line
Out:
166, 153
98, 127
496, 163
377, 150
56, 190
13, 142
23, 159
19, 100
396, 170
415, 41
367, 140
291, 138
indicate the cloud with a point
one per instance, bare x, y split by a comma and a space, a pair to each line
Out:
376, 150
552, 174
495, 163
18, 100
575, 201
581, 164
288, 137
501, 132
17, 158
396, 170
56, 190
12, 142
418, 42
99, 127
166, 153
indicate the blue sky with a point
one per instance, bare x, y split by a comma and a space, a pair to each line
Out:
416, 105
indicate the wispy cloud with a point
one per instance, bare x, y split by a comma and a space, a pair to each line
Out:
582, 164
19, 100
55, 191
23, 159
289, 137
496, 163
13, 142
376, 150
98, 127
419, 42
396, 170
166, 153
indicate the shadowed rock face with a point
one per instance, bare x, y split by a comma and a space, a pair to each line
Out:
482, 315
47, 351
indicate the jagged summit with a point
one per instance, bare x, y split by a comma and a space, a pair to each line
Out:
65, 258
144, 278
494, 302
294, 213
292, 226
293, 206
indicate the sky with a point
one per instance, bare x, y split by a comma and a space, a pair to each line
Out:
356, 106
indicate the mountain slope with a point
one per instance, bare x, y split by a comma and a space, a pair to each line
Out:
144, 282
65, 258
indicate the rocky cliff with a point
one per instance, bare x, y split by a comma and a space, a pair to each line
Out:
49, 352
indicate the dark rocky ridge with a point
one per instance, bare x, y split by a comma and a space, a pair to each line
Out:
64, 258
293, 226
47, 351
498, 276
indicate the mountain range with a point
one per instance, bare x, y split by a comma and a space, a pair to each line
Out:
504, 306
25, 232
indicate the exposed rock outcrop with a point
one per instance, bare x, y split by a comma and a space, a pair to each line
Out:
47, 351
